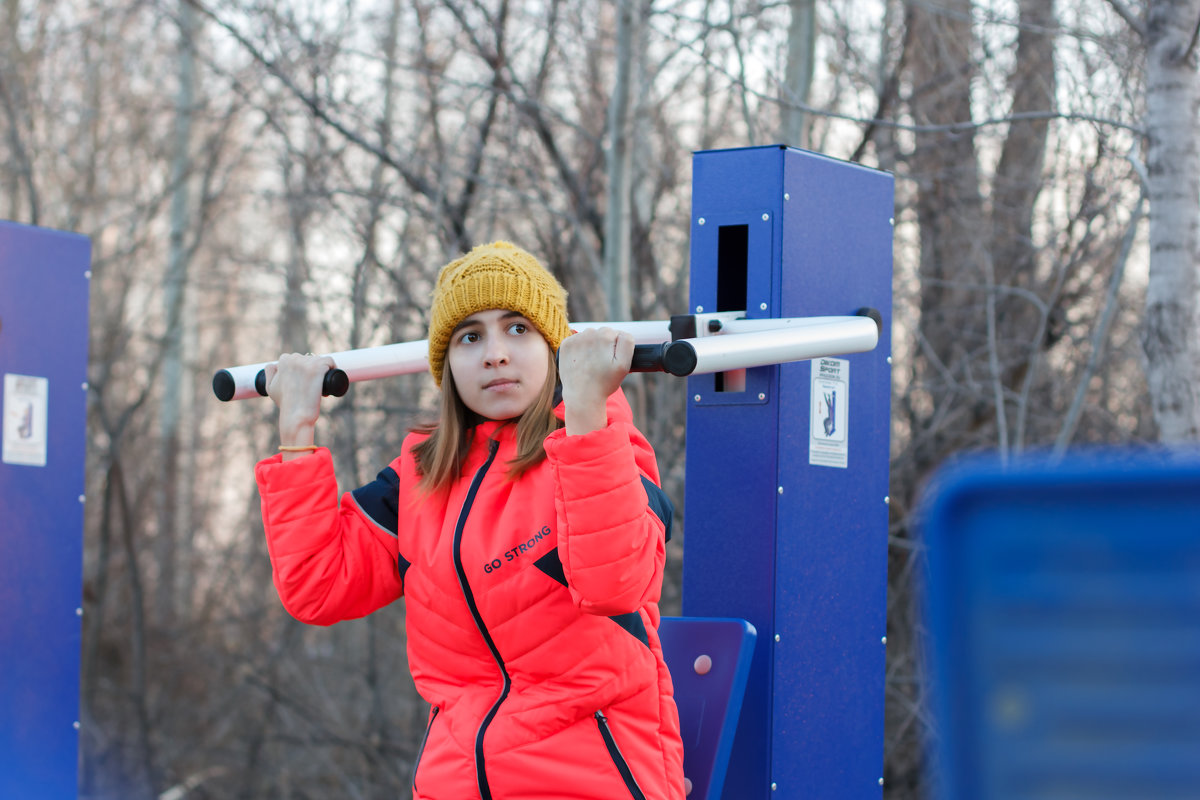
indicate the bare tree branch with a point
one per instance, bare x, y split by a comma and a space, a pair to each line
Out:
1126, 13
1191, 48
414, 181
19, 152
1100, 335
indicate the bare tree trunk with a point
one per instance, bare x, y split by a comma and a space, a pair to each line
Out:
1018, 324
378, 720
618, 217
13, 105
888, 71
175, 390
293, 324
949, 202
801, 58
708, 128
1018, 180
1172, 315
949, 212
94, 621
138, 678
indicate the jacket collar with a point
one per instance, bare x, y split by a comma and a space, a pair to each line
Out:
500, 430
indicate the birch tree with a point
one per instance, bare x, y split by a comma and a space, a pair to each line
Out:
1171, 327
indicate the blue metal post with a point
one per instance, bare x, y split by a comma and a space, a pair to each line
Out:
787, 466
43, 361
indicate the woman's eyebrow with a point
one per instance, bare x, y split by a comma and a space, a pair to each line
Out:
505, 316
464, 324
471, 321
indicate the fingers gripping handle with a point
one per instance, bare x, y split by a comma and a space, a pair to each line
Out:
676, 358
335, 384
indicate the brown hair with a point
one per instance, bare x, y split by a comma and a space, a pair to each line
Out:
440, 457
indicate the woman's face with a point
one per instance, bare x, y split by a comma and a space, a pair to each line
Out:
498, 360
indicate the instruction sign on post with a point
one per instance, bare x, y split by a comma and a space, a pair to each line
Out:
829, 445
26, 400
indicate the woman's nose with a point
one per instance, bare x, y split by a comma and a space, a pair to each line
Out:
496, 353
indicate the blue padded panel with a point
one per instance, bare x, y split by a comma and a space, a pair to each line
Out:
709, 704
1064, 610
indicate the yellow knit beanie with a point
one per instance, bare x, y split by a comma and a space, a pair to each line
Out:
496, 275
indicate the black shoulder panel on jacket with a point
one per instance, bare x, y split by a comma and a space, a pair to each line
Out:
660, 504
379, 499
551, 564
632, 622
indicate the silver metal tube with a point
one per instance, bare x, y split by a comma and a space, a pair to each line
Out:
649, 332
825, 336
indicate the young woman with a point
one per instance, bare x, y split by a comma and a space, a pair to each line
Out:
526, 534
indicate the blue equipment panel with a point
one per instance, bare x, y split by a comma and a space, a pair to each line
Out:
43, 358
1064, 615
793, 543
709, 695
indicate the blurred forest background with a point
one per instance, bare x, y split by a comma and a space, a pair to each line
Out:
289, 175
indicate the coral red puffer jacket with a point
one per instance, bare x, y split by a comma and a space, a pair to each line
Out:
531, 606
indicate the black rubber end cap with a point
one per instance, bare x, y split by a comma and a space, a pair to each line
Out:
335, 384
679, 358
223, 385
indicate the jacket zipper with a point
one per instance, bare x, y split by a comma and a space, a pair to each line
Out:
485, 791
614, 753
421, 749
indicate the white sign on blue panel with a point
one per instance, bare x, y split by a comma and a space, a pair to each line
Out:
829, 442
26, 403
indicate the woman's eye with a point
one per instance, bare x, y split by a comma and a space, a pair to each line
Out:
469, 337
518, 328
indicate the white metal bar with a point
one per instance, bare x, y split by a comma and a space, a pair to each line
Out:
649, 332
740, 343
829, 336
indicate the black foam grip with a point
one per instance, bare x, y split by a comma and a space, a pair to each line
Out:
335, 384
647, 358
676, 358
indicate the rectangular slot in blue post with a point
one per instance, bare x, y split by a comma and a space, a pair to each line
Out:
733, 259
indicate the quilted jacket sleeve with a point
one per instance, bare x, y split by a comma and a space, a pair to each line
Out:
330, 561
612, 517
